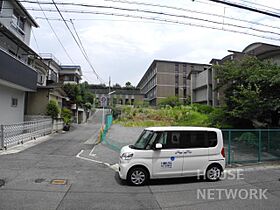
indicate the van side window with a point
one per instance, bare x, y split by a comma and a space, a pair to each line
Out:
212, 139
170, 140
194, 139
163, 138
198, 139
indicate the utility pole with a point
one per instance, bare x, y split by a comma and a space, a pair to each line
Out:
109, 90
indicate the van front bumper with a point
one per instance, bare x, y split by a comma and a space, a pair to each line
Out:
124, 166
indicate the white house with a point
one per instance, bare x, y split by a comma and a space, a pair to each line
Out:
16, 74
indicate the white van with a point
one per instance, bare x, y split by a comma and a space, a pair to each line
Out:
165, 152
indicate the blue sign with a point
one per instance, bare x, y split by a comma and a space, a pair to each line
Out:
172, 158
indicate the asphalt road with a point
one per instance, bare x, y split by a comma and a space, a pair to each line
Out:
93, 185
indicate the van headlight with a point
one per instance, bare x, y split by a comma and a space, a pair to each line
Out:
126, 156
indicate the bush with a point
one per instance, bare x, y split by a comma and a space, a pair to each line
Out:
202, 108
66, 114
170, 101
53, 109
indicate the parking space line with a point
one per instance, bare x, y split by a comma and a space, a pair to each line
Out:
92, 160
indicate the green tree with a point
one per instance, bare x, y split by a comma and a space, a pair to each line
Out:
251, 89
53, 109
66, 114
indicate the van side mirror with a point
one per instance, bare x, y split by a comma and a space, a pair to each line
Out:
158, 146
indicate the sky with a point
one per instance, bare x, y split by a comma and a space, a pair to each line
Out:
123, 48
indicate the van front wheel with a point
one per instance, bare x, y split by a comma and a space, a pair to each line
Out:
137, 176
213, 173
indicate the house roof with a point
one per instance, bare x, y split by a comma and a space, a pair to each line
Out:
261, 50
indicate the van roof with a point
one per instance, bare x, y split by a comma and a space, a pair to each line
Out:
181, 128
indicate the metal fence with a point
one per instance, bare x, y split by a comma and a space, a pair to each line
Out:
251, 145
19, 133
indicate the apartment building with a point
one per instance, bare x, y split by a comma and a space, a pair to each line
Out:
17, 75
168, 78
203, 84
119, 96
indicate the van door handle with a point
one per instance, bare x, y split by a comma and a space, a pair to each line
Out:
178, 152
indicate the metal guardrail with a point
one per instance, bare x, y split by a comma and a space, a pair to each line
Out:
19, 133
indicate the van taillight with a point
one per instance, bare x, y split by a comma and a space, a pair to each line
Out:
223, 152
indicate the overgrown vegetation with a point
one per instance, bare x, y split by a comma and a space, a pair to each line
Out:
191, 115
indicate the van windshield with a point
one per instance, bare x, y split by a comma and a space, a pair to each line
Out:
143, 140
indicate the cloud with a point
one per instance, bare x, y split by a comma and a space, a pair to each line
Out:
123, 48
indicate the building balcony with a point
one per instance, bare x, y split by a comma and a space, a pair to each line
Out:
16, 74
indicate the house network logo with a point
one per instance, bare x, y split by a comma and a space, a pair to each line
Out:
230, 193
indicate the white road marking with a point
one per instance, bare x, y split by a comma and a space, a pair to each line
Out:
115, 167
91, 152
92, 160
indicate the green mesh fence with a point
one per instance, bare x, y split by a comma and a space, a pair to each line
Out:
251, 145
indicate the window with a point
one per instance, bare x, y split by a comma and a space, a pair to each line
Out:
18, 22
176, 68
184, 69
198, 139
40, 78
14, 102
1, 5
143, 140
185, 92
212, 139
188, 139
170, 140
176, 91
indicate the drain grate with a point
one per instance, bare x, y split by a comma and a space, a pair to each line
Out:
39, 180
2, 182
59, 181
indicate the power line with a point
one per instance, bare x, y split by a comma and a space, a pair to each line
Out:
163, 20
187, 10
86, 55
240, 6
161, 6
174, 15
81, 49
55, 34
262, 5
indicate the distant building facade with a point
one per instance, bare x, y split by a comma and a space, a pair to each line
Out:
119, 96
168, 78
71, 74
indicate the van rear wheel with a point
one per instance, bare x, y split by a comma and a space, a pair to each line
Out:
213, 173
137, 176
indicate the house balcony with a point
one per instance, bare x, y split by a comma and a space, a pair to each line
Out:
16, 74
